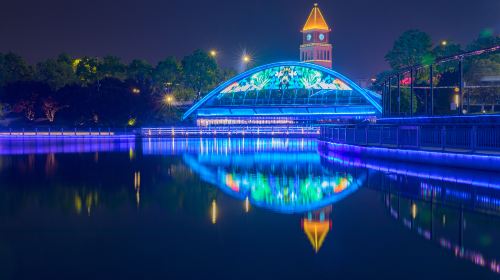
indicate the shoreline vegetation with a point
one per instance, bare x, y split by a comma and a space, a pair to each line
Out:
105, 92
102, 92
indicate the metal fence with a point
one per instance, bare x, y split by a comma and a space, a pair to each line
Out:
467, 83
460, 138
65, 132
235, 131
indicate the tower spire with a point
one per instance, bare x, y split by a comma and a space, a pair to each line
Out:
315, 20
316, 47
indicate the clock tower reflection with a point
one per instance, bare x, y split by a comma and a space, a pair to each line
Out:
316, 225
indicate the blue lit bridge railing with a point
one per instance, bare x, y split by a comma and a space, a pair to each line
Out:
481, 139
233, 131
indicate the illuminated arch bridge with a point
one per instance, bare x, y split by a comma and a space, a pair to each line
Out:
285, 93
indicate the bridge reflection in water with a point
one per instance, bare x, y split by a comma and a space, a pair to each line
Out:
204, 183
455, 208
293, 176
281, 175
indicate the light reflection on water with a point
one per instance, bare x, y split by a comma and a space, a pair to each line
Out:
445, 206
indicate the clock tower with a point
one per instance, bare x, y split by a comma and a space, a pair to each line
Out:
316, 47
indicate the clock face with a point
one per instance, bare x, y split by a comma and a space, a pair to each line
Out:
321, 37
308, 37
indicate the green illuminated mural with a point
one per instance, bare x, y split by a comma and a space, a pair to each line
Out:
287, 77
281, 190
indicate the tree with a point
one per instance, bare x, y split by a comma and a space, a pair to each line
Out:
57, 73
140, 72
4, 110
445, 50
112, 67
184, 94
166, 75
200, 71
50, 108
225, 74
486, 39
482, 73
86, 70
412, 47
13, 68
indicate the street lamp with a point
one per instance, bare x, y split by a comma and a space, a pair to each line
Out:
168, 99
213, 53
246, 58
136, 90
444, 43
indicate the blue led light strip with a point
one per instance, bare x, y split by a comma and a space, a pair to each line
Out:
248, 73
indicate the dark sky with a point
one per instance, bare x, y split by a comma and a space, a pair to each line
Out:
363, 31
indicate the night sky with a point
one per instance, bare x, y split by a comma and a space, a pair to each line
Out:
363, 31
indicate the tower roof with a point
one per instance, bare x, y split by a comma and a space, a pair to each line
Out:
315, 21
316, 232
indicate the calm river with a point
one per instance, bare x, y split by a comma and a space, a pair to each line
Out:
238, 209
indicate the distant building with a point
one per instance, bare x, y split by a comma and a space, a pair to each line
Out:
316, 47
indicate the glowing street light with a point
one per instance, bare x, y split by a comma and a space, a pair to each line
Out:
136, 90
168, 99
213, 53
444, 43
246, 58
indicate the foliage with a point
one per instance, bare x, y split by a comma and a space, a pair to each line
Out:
200, 71
449, 49
166, 75
112, 67
411, 48
414, 48
4, 109
140, 71
50, 107
92, 91
13, 68
57, 73
184, 94
86, 70
486, 39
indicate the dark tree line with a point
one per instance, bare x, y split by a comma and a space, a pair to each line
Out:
92, 91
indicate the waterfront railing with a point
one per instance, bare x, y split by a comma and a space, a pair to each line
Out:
65, 132
235, 131
457, 138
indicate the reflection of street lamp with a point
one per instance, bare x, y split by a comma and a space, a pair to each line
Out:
457, 96
214, 212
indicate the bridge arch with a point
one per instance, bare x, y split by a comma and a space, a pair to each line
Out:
287, 88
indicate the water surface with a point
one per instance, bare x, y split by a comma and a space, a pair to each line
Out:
238, 208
